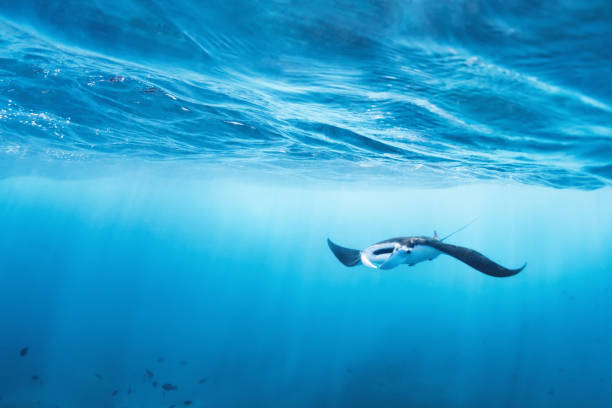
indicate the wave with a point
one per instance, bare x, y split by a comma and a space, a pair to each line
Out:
434, 93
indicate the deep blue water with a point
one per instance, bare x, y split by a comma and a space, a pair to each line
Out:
170, 172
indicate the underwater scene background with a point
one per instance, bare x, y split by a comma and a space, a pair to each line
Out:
170, 172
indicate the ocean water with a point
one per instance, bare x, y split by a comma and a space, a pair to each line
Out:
170, 172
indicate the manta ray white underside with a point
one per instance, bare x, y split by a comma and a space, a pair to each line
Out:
388, 255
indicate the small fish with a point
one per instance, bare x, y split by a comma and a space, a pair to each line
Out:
203, 380
23, 351
183, 362
187, 402
98, 376
160, 359
35, 378
154, 383
148, 373
115, 392
129, 390
169, 387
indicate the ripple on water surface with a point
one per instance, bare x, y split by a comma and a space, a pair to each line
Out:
432, 93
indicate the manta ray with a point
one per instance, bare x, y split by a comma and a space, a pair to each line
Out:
393, 252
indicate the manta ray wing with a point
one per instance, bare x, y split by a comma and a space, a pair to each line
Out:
474, 259
349, 257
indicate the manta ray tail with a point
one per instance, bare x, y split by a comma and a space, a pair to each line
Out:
459, 230
349, 257
475, 259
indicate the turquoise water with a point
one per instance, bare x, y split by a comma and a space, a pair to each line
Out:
235, 280
170, 172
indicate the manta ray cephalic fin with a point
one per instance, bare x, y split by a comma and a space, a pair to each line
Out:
398, 256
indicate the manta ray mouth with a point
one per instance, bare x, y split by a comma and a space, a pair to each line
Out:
383, 251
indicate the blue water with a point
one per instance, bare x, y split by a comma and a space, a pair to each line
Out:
170, 172
425, 92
